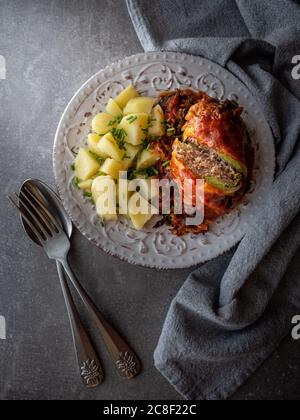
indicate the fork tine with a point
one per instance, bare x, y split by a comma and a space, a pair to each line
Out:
32, 227
49, 231
34, 217
43, 206
34, 213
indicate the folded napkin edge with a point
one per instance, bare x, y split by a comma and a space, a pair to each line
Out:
219, 392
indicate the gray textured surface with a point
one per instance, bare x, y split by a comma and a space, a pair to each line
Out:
51, 48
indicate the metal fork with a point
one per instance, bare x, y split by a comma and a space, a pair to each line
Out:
56, 244
90, 368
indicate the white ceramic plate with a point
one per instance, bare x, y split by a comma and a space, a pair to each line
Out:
152, 73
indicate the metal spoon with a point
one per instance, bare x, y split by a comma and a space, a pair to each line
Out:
125, 360
91, 371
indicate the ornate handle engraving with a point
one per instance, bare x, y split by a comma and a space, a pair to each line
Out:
91, 373
127, 365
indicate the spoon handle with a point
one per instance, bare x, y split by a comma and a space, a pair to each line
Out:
89, 366
123, 357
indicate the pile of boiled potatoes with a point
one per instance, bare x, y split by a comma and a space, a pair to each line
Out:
117, 142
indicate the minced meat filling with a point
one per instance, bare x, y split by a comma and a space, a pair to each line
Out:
205, 162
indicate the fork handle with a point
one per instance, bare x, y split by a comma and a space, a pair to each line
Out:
90, 368
125, 360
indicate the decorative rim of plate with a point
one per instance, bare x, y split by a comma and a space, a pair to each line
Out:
191, 249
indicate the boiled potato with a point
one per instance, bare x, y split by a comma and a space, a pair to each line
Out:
123, 196
85, 165
125, 96
147, 159
98, 185
100, 123
139, 220
104, 194
92, 141
109, 147
139, 211
113, 108
139, 205
85, 185
131, 153
140, 105
112, 167
157, 118
135, 129
147, 188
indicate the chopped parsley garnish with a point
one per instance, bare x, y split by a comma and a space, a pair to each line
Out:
166, 163
154, 138
153, 171
88, 194
119, 135
99, 159
115, 121
146, 144
125, 157
132, 118
170, 131
147, 173
101, 173
150, 122
75, 182
131, 174
73, 167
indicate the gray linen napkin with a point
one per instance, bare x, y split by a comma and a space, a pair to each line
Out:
232, 312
